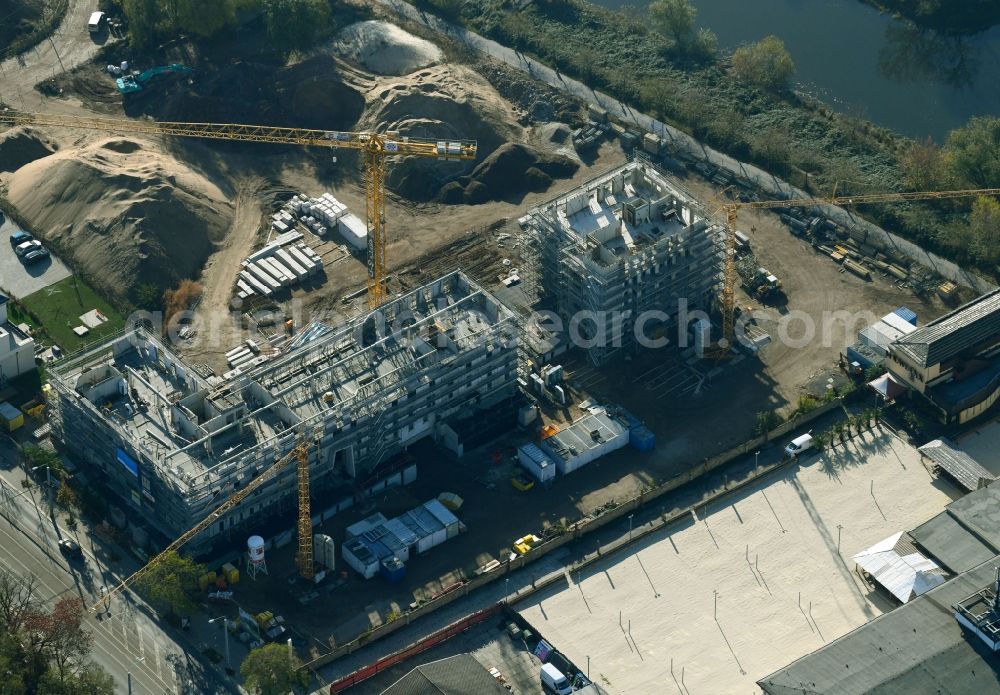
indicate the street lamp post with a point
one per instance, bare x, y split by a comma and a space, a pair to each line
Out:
506, 592
630, 527
225, 629
756, 458
48, 481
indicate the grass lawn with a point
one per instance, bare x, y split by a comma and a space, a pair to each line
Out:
56, 310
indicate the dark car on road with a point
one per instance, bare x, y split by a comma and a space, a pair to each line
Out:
70, 548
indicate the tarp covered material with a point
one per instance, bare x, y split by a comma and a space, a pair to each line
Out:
887, 387
904, 576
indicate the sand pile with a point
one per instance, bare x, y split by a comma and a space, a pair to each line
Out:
19, 146
443, 102
385, 49
507, 174
126, 214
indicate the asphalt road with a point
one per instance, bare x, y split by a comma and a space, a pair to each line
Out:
126, 641
21, 280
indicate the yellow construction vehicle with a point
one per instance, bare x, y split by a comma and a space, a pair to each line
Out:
375, 147
730, 275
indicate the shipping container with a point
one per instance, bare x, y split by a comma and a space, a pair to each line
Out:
642, 438
536, 462
365, 524
354, 231
907, 315
358, 556
586, 440
444, 515
10, 417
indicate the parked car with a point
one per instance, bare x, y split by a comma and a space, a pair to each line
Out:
19, 237
24, 248
798, 445
70, 548
36, 255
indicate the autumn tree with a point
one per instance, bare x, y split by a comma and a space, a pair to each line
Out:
293, 25
766, 64
675, 19
270, 670
925, 167
984, 230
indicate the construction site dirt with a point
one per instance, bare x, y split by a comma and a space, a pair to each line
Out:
695, 411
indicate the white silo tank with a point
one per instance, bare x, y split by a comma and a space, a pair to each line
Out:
255, 546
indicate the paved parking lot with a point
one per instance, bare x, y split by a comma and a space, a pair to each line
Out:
20, 280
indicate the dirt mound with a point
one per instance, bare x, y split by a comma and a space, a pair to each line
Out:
507, 174
443, 102
126, 214
309, 94
555, 139
385, 49
20, 146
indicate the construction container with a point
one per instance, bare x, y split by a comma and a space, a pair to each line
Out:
10, 417
443, 515
641, 438
360, 558
536, 462
586, 440
231, 574
651, 143
365, 525
354, 231
907, 315
393, 569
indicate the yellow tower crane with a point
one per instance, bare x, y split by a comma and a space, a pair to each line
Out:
732, 210
376, 148
300, 454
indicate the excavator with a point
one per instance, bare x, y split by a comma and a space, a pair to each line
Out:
130, 84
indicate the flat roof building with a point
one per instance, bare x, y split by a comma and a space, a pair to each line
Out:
174, 445
623, 244
17, 348
954, 361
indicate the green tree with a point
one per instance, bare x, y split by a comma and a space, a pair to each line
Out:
984, 228
205, 18
765, 64
91, 679
675, 19
35, 456
143, 17
972, 152
172, 583
269, 670
293, 25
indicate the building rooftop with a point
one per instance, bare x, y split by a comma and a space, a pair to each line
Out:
956, 331
455, 675
917, 648
964, 469
967, 533
589, 432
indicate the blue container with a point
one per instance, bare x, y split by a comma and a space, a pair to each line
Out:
392, 568
641, 438
907, 315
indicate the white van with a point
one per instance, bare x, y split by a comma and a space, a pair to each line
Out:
554, 680
799, 444
96, 22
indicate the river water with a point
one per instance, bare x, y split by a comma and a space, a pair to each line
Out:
914, 81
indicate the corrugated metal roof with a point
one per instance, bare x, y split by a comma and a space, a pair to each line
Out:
916, 648
954, 332
905, 576
958, 464
455, 675
952, 546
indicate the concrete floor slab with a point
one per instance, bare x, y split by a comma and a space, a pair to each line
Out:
770, 559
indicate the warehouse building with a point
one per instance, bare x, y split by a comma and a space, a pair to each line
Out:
623, 244
174, 444
954, 361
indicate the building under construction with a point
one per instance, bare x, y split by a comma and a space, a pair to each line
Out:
625, 243
174, 444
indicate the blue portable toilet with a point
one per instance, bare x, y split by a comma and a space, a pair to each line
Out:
642, 438
392, 568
